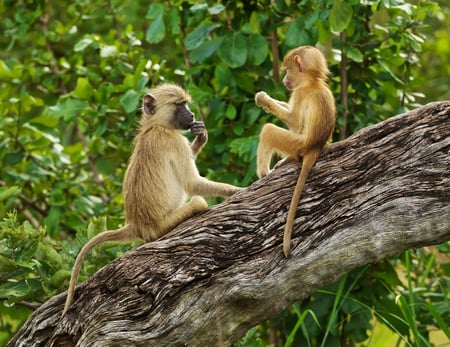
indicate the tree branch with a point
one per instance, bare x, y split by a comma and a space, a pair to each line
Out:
379, 192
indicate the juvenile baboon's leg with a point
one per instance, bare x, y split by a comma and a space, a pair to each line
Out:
194, 206
274, 138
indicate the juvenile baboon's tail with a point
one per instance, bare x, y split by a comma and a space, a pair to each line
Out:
308, 162
122, 234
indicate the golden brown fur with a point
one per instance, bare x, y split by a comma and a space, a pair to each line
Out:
309, 115
161, 174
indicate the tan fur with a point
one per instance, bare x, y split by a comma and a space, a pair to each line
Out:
161, 174
309, 115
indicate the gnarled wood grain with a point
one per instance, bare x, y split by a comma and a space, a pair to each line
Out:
383, 190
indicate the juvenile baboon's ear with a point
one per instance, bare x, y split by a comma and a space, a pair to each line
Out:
149, 104
299, 63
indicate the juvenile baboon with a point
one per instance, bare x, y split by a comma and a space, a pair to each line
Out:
161, 174
309, 115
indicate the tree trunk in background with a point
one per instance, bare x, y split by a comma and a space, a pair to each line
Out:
381, 191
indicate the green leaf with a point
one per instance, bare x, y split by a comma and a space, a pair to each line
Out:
13, 158
230, 113
238, 129
204, 94
5, 71
83, 90
59, 277
258, 48
312, 19
205, 50
198, 7
255, 27
96, 226
233, 49
68, 108
245, 82
390, 73
51, 256
245, 147
173, 21
16, 289
130, 101
298, 35
196, 37
46, 120
222, 76
340, 15
250, 113
83, 44
155, 10
6, 193
107, 51
105, 166
7, 265
157, 29
354, 54
216, 9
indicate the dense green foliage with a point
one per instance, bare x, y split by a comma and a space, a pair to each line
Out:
72, 74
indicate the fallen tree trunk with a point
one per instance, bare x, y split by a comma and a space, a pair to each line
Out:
383, 190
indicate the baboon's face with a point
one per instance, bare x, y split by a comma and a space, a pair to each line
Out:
183, 117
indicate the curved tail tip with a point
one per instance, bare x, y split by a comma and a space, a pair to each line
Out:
286, 248
66, 308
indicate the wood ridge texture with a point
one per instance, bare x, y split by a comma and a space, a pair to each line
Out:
381, 191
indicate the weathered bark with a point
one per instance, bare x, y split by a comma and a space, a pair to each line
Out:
384, 190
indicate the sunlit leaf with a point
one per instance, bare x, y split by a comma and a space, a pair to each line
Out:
199, 7
354, 54
83, 44
107, 51
5, 71
47, 120
254, 23
83, 90
214, 10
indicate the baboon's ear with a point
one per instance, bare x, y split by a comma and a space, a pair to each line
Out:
149, 104
298, 61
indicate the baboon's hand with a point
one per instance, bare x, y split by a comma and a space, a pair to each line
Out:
261, 98
198, 129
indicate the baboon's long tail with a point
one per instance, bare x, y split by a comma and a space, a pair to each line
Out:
308, 162
122, 234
